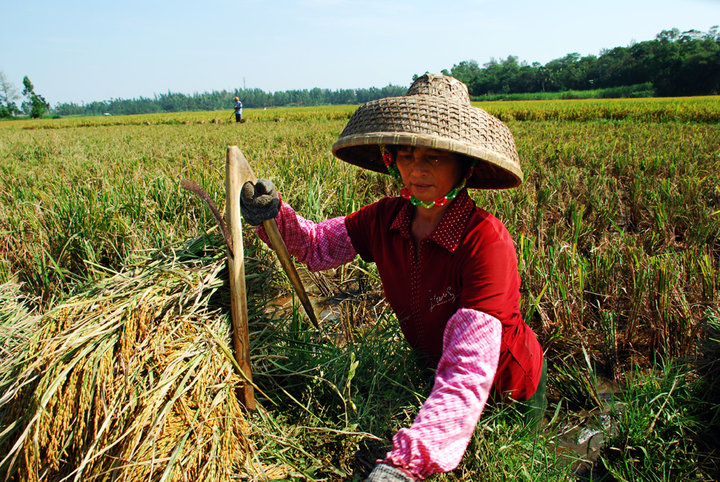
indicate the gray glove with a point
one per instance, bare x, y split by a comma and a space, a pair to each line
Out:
259, 202
388, 473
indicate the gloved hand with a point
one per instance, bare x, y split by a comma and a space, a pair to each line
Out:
388, 473
259, 202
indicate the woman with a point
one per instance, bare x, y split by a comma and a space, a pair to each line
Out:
448, 268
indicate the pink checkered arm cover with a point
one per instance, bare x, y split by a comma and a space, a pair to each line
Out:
318, 246
438, 437
442, 429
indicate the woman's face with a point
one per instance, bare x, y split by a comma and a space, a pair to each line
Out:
429, 174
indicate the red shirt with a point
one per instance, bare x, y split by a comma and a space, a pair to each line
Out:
468, 261
471, 343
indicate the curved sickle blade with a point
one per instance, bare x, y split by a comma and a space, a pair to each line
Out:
246, 174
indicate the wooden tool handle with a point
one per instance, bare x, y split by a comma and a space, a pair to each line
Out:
276, 240
234, 181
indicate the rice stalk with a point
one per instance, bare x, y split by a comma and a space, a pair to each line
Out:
17, 321
124, 381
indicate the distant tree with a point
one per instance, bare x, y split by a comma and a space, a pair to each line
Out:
8, 96
465, 71
36, 105
674, 63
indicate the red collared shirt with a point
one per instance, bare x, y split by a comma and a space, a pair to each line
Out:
468, 261
474, 344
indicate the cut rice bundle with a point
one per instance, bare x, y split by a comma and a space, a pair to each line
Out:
131, 379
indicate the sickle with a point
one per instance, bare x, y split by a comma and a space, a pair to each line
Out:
245, 174
238, 172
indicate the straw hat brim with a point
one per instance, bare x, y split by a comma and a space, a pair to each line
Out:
427, 121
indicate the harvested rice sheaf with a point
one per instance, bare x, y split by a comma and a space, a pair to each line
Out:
128, 380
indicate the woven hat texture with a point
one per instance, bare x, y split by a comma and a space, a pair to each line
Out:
436, 113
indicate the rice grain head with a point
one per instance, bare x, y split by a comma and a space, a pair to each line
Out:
124, 381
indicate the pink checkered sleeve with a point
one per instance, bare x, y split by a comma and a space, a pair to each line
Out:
319, 246
438, 437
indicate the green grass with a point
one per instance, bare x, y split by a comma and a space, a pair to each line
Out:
658, 427
617, 230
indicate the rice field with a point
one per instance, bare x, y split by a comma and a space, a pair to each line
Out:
115, 346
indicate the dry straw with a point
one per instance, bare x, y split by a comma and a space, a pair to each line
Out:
131, 379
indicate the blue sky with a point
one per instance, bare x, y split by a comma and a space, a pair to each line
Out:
82, 51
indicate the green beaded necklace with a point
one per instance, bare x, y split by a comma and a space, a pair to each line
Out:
405, 192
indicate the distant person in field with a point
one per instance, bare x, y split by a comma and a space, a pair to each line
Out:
238, 110
448, 268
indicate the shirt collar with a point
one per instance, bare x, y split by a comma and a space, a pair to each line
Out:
450, 229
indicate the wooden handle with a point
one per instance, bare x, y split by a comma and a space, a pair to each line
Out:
276, 240
234, 181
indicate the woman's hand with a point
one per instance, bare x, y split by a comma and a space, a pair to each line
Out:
388, 473
259, 202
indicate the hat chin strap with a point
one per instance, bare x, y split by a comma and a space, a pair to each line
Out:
405, 192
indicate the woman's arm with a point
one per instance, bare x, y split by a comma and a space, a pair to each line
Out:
438, 437
319, 246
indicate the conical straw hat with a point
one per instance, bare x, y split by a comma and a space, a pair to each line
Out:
435, 113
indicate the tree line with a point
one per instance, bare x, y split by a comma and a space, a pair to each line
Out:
673, 64
252, 98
